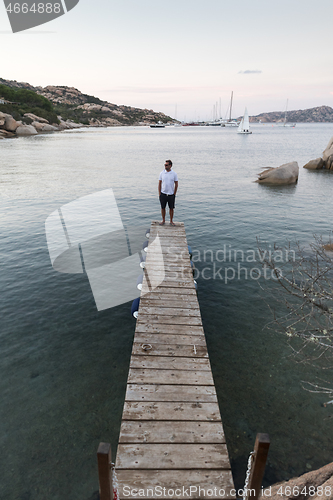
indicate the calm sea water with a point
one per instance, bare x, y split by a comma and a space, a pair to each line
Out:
63, 365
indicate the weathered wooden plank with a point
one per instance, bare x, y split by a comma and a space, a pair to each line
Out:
170, 248
167, 230
169, 311
144, 327
169, 377
169, 456
169, 301
164, 339
167, 266
151, 481
171, 267
172, 319
178, 252
176, 240
170, 363
161, 410
155, 226
168, 286
184, 393
182, 295
170, 281
185, 274
174, 291
164, 241
171, 432
180, 260
174, 251
141, 349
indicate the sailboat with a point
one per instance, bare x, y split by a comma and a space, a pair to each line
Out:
230, 122
244, 126
285, 124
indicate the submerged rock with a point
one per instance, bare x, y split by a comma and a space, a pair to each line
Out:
316, 164
329, 163
285, 174
326, 162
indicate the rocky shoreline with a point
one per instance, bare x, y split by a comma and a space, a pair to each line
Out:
76, 107
32, 125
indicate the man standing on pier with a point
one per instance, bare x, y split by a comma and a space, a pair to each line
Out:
167, 189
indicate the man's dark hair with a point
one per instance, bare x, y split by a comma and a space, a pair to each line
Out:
169, 161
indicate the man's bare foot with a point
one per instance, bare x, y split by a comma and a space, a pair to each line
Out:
162, 223
172, 224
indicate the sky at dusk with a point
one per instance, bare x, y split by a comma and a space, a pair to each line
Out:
182, 56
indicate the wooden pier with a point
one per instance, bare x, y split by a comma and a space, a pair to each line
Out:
171, 432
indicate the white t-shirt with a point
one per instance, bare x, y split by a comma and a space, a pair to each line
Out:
168, 181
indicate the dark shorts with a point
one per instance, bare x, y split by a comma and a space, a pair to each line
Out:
167, 199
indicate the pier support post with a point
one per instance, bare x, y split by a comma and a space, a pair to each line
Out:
104, 460
261, 447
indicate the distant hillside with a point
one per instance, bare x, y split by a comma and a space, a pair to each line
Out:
71, 104
323, 114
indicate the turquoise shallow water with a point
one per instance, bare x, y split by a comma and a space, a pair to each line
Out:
63, 365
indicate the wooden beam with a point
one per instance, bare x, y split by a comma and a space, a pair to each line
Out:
261, 448
104, 471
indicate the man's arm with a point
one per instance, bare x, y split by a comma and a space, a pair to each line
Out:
159, 187
176, 187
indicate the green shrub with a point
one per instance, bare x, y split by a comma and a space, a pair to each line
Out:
26, 101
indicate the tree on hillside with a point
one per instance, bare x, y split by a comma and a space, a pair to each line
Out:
23, 101
304, 294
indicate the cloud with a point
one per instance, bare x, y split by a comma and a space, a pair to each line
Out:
250, 71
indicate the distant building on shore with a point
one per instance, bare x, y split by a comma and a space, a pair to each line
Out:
3, 101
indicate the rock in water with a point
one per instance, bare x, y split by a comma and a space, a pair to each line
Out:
298, 488
285, 174
329, 162
25, 130
48, 128
329, 150
316, 164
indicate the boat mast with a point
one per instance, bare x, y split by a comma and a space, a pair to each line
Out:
232, 93
285, 115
